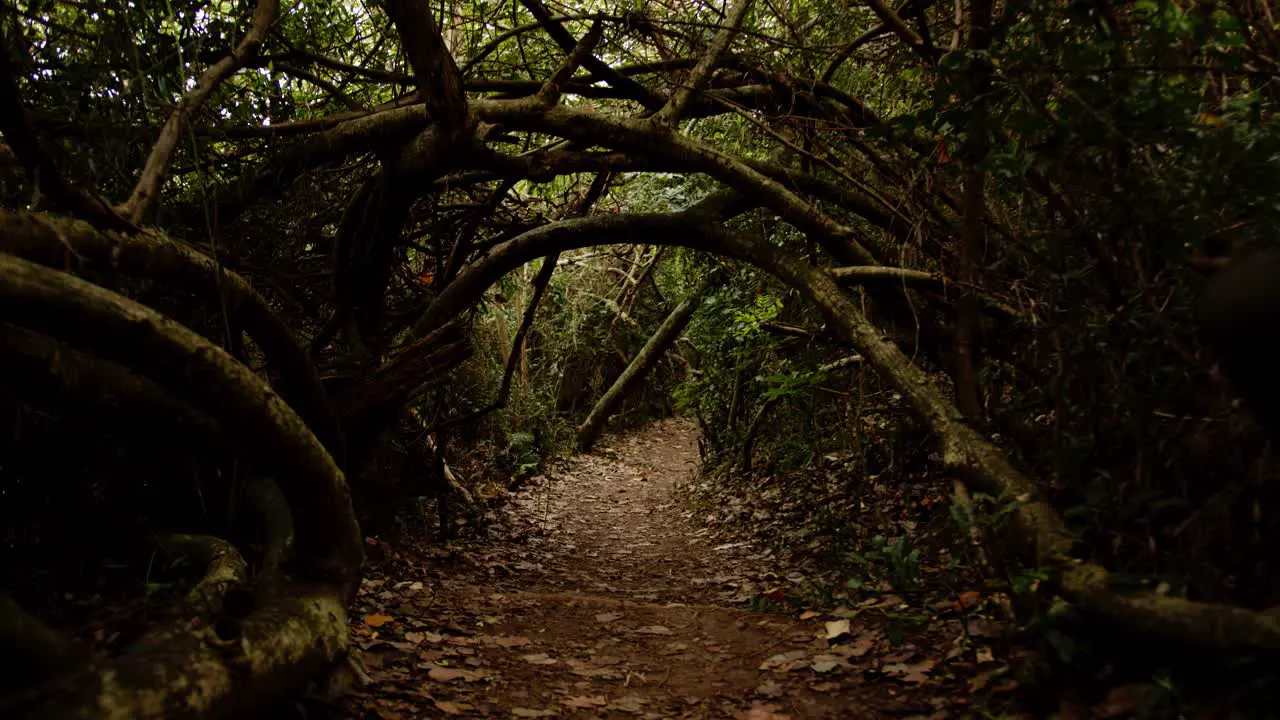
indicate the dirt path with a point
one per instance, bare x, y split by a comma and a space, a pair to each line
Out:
610, 603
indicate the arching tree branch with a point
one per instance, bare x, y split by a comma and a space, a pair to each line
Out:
108, 325
54, 241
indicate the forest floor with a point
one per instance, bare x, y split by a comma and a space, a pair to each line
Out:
604, 600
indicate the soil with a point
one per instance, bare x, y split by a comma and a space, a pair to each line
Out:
605, 600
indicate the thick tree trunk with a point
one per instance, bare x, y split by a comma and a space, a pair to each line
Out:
644, 361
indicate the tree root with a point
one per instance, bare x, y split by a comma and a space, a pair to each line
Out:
195, 669
224, 569
205, 672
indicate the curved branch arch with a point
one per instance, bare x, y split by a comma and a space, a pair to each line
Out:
98, 321
49, 240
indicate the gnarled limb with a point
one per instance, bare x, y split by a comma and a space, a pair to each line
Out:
434, 71
49, 240
224, 568
42, 369
642, 137
600, 69
183, 363
379, 130
199, 673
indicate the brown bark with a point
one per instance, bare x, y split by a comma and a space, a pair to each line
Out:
698, 78
434, 70
973, 238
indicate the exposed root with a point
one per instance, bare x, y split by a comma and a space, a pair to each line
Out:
224, 569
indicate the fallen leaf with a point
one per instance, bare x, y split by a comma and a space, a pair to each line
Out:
377, 620
985, 655
439, 673
827, 663
762, 712
914, 674
539, 659
453, 708
837, 628
608, 617
585, 702
531, 713
825, 687
628, 703
655, 630
860, 646
785, 662
769, 689
809, 615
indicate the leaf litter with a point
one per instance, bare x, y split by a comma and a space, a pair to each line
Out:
596, 595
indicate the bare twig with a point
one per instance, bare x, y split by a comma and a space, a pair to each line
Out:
153, 173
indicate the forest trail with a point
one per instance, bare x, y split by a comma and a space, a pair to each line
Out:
607, 602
